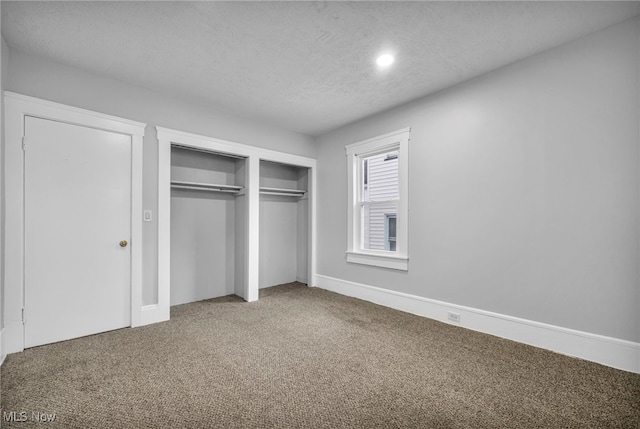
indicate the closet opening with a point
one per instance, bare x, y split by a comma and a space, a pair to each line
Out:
208, 212
284, 224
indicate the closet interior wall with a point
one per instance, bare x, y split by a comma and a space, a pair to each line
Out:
207, 226
284, 224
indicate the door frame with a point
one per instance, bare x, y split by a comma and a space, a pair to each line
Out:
253, 156
17, 107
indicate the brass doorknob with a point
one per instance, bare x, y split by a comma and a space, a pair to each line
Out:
123, 243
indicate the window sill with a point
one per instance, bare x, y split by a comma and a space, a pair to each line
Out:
379, 260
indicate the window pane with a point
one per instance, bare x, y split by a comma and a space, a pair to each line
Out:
380, 177
376, 227
390, 232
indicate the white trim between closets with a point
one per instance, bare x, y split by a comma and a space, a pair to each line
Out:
253, 156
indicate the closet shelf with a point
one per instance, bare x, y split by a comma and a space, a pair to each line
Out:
211, 187
283, 192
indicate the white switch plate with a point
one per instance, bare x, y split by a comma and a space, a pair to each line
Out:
147, 216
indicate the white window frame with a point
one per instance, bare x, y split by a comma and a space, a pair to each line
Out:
398, 260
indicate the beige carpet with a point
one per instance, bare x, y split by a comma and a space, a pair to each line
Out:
307, 358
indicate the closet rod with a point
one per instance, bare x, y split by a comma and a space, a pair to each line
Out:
200, 188
285, 194
230, 189
212, 152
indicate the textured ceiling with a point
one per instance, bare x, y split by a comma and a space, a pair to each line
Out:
305, 66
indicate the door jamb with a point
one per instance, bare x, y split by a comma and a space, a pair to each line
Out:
17, 107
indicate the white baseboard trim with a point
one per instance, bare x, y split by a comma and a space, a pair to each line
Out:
152, 314
12, 337
613, 352
12, 340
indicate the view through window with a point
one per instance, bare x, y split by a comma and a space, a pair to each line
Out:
379, 201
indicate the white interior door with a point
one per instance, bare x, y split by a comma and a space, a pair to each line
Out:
77, 193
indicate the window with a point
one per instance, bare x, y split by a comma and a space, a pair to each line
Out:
378, 201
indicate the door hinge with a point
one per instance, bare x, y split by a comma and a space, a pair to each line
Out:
23, 316
24, 143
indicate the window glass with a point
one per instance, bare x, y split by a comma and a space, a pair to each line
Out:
390, 232
379, 199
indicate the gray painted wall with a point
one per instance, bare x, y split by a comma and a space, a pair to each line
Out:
203, 228
283, 226
278, 240
40, 77
4, 52
524, 189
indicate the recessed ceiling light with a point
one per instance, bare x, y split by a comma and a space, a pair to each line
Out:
385, 60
